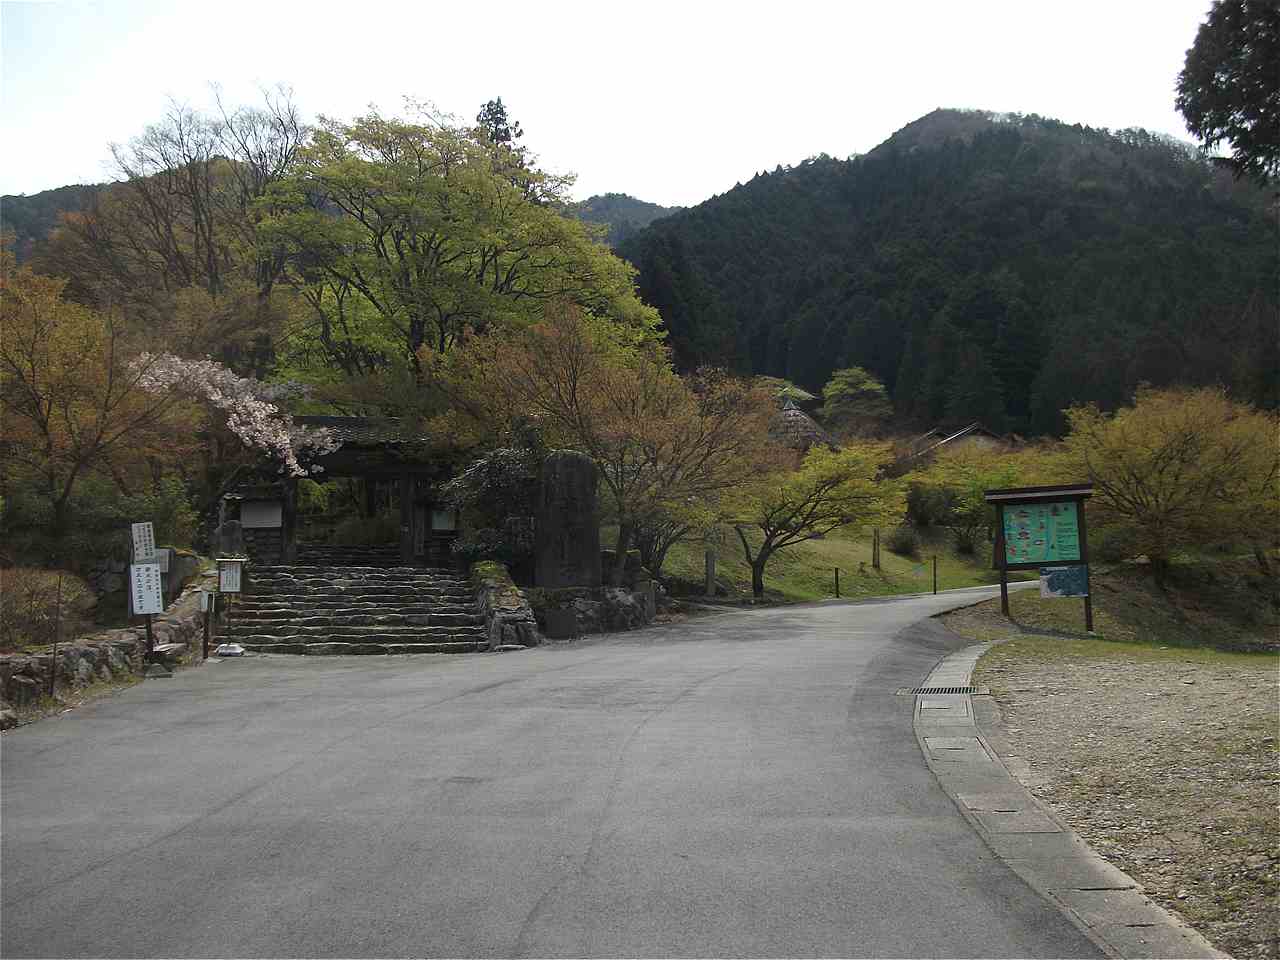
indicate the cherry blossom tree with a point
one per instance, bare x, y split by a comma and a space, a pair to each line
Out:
249, 405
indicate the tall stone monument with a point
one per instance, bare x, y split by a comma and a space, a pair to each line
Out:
566, 549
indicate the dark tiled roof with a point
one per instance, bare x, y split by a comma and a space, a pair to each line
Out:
363, 431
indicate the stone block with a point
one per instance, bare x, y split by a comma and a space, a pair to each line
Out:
23, 691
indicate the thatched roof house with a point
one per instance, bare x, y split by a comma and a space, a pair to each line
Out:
799, 431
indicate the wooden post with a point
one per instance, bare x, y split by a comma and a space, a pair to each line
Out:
151, 642
875, 548
710, 571
57, 629
1084, 555
837, 582
208, 614
935, 574
406, 518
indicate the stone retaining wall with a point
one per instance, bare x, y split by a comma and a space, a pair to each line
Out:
596, 609
109, 655
508, 618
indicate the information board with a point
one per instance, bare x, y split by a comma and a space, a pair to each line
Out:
144, 587
1070, 581
144, 542
1041, 532
228, 576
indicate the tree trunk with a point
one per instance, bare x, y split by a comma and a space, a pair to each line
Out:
620, 555
757, 575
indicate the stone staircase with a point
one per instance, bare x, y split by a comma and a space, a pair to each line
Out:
337, 555
355, 610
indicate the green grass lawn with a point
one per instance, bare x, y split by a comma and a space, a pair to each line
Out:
807, 570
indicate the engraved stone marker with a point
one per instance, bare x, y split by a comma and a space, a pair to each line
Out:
567, 533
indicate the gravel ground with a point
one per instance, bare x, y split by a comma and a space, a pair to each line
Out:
1164, 760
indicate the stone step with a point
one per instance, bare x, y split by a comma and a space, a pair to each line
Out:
353, 603
319, 625
347, 576
312, 570
341, 571
266, 611
460, 635
352, 589
363, 649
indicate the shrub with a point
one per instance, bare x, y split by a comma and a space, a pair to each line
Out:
928, 505
904, 541
29, 605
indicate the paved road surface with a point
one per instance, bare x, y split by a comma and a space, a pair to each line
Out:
747, 785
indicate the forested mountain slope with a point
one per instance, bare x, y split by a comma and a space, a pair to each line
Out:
993, 268
624, 215
32, 218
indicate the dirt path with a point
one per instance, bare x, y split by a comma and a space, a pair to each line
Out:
1164, 760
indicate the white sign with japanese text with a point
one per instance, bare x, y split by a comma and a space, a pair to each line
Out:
144, 542
144, 585
229, 576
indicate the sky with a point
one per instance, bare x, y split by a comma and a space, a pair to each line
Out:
671, 102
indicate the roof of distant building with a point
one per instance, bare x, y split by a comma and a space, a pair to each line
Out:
797, 429
364, 431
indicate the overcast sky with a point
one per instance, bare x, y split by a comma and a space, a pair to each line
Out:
670, 102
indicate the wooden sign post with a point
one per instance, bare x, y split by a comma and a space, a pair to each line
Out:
145, 591
1042, 528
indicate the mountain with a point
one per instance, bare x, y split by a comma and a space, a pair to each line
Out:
31, 218
623, 215
983, 266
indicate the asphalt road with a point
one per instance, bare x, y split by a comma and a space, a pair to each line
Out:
745, 785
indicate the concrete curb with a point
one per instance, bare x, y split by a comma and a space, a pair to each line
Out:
963, 744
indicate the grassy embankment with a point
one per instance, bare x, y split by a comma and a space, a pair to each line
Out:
1226, 604
807, 570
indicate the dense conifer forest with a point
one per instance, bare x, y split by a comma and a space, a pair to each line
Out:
984, 267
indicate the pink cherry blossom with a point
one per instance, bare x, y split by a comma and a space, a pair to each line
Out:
247, 403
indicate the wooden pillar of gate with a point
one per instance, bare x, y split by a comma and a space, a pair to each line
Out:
406, 517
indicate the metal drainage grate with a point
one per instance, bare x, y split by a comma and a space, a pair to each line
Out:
905, 691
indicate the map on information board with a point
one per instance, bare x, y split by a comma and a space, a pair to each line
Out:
1041, 532
1064, 581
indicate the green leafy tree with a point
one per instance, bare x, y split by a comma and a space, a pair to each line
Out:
856, 402
830, 490
955, 483
403, 234
1228, 90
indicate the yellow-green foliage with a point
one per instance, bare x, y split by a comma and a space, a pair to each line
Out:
1180, 469
831, 490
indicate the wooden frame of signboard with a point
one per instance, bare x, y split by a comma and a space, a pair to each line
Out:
1062, 493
